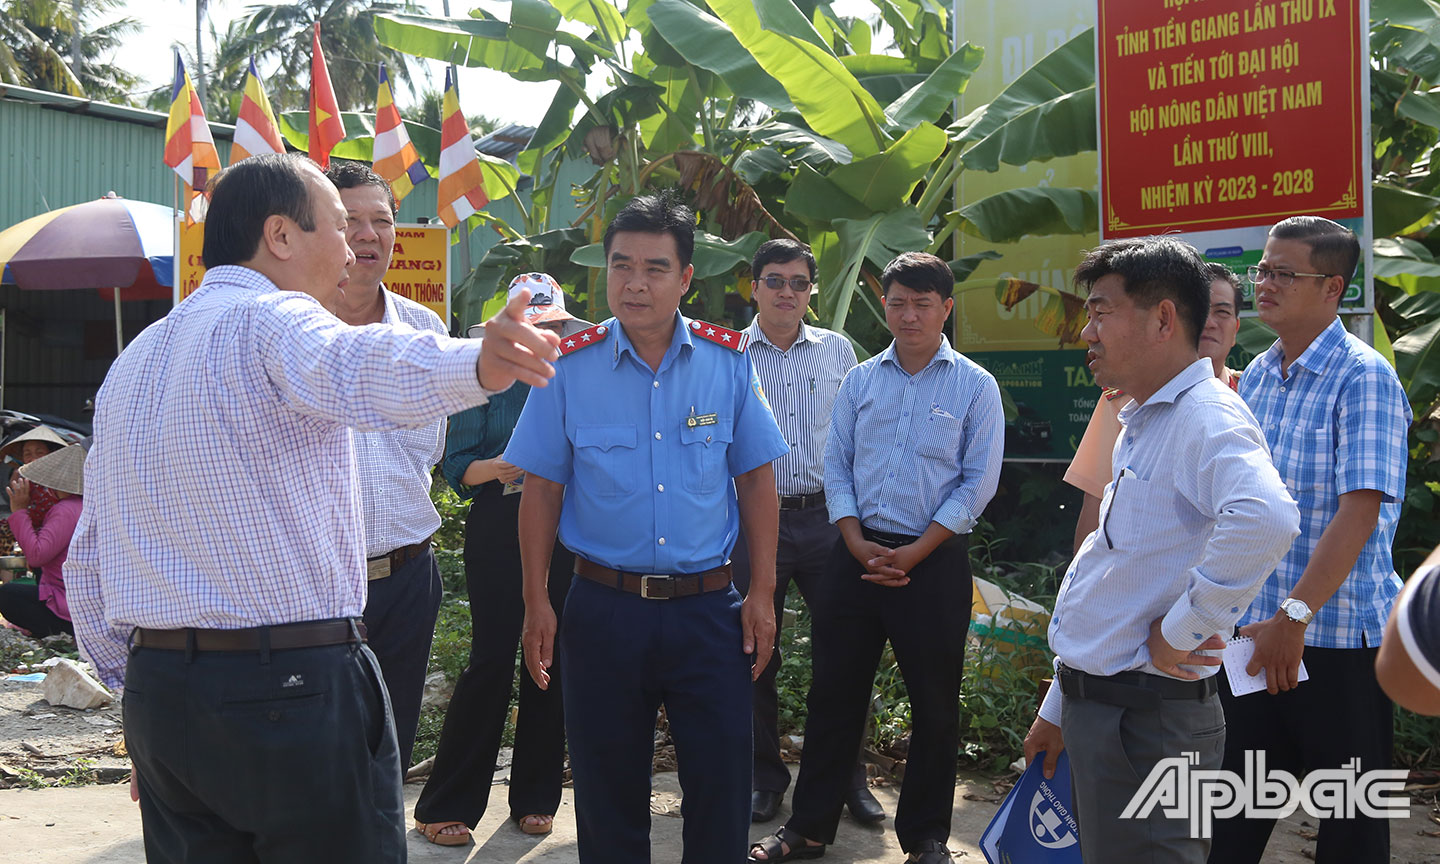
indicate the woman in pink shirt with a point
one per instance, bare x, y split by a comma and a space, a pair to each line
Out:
45, 505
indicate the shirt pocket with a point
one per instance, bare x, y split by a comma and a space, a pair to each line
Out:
1124, 514
938, 437
703, 458
606, 457
1313, 459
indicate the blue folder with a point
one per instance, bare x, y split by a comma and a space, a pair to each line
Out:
1036, 823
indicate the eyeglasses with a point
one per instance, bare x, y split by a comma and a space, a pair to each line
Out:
798, 284
1279, 278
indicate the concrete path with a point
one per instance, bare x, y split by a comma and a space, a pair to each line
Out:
99, 825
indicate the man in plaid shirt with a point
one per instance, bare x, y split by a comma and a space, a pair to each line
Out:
1336, 418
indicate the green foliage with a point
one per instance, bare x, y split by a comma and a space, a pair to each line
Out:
451, 534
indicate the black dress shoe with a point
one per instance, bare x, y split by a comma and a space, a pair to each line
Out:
863, 806
764, 805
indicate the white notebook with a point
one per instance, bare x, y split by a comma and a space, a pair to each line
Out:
1236, 657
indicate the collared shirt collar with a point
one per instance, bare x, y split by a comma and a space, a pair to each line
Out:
944, 352
1184, 379
757, 334
1316, 356
391, 315
623, 345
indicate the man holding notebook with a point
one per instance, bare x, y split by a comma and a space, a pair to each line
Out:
1194, 520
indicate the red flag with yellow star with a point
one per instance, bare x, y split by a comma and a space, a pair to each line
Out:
326, 128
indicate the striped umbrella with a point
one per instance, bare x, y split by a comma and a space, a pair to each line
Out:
111, 244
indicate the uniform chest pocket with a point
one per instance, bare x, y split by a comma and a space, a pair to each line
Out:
606, 458
938, 436
703, 458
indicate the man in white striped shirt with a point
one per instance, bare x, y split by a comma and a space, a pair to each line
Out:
800, 368
230, 608
393, 465
1194, 520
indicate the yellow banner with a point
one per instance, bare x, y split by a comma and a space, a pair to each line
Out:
420, 267
189, 270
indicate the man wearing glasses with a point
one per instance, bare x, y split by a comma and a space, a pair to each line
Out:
1335, 417
1193, 521
800, 368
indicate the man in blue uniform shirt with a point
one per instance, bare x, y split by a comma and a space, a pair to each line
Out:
631, 453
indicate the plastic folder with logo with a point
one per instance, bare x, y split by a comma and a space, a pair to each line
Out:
1036, 824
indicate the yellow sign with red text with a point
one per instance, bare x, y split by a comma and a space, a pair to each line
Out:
189, 269
419, 266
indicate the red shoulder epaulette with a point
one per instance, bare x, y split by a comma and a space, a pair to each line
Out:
1111, 394
589, 336
723, 336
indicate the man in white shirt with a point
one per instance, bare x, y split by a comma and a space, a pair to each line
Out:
230, 608
393, 465
1194, 520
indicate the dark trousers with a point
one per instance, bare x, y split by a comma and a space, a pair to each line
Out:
400, 614
21, 605
459, 785
926, 622
806, 538
624, 657
1339, 714
1113, 750
248, 758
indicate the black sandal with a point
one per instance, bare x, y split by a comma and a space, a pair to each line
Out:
773, 847
929, 852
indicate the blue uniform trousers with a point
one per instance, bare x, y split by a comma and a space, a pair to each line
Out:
624, 656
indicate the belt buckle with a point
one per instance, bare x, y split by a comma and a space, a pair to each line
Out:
645, 587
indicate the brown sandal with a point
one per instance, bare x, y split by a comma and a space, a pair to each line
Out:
432, 830
543, 828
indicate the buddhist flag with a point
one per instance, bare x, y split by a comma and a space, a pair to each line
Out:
326, 127
256, 131
462, 189
395, 157
189, 147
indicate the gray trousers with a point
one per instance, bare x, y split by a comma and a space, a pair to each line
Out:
1112, 750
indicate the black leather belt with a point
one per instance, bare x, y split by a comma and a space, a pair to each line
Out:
802, 502
654, 586
277, 637
895, 541
1133, 689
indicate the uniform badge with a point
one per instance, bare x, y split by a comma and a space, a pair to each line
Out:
589, 336
1111, 394
695, 420
723, 336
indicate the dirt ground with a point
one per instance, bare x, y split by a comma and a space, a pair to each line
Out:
43, 746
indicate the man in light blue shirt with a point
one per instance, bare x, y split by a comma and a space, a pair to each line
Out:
650, 448
916, 440
1192, 521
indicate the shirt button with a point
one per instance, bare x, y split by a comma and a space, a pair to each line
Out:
662, 541
657, 436
906, 414
655, 384
660, 487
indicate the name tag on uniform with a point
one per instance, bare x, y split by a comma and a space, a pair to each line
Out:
701, 420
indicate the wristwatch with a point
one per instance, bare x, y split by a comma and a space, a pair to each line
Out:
1296, 610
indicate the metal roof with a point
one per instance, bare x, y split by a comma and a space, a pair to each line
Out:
74, 105
506, 142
